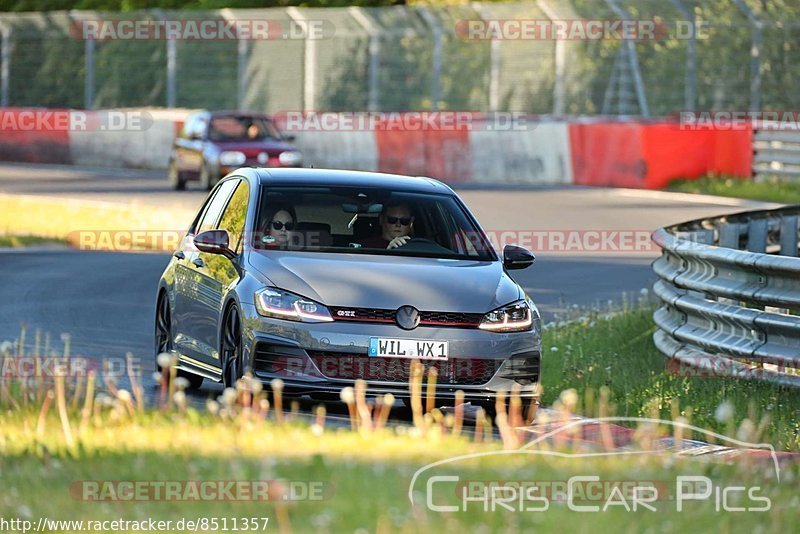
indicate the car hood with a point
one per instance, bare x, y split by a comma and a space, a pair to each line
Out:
388, 282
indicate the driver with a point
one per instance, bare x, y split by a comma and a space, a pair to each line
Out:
397, 224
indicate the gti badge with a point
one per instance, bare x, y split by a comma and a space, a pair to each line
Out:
407, 317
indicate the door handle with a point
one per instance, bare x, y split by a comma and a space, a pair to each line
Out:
180, 255
198, 262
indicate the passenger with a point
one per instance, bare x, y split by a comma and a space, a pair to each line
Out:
280, 228
397, 224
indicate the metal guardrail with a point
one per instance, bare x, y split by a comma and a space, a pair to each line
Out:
776, 153
730, 293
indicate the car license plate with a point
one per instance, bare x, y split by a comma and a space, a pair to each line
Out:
382, 347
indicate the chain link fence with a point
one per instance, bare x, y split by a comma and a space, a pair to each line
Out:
708, 54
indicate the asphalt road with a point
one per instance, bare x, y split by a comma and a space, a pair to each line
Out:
105, 301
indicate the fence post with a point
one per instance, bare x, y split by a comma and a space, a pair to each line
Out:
242, 49
690, 84
374, 54
309, 61
633, 60
88, 83
560, 64
172, 54
494, 62
755, 55
436, 81
5, 64
241, 72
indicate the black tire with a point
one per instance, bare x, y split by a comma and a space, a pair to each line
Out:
177, 179
207, 178
163, 339
231, 353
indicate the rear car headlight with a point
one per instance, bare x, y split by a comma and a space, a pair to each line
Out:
515, 317
232, 157
272, 302
290, 158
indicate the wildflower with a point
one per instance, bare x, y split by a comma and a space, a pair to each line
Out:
724, 412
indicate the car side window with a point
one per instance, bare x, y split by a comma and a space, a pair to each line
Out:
233, 218
209, 219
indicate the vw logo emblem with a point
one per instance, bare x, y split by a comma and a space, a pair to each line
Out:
407, 317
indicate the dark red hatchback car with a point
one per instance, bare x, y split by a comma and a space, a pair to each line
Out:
213, 143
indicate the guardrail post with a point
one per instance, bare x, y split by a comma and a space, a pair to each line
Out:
788, 237
5, 64
757, 236
729, 235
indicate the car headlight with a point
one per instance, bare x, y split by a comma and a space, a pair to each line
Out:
515, 317
272, 302
290, 158
232, 157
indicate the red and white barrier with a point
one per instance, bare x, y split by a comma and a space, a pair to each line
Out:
145, 147
597, 152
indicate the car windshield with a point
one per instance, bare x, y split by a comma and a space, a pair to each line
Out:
242, 128
368, 221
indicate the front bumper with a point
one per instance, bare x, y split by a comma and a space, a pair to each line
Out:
322, 358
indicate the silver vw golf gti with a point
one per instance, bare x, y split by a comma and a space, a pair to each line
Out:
323, 277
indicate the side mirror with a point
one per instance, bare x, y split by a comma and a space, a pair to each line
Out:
516, 257
289, 138
214, 242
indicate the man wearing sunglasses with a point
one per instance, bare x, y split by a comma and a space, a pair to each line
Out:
397, 223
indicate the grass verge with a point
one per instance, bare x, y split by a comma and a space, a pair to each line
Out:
726, 186
617, 353
91, 225
358, 480
67, 453
22, 241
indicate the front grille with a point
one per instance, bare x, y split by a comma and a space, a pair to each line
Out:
455, 371
426, 318
367, 315
471, 320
